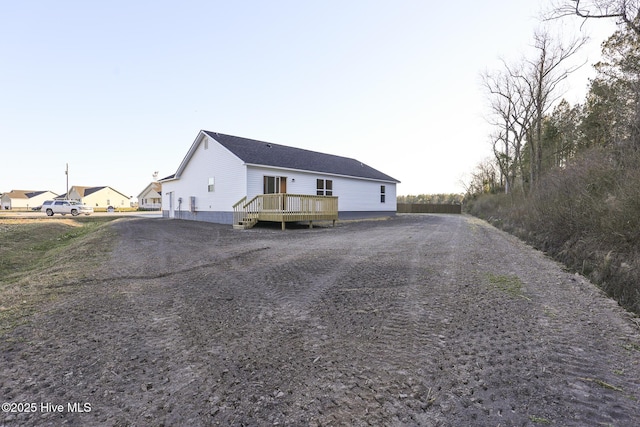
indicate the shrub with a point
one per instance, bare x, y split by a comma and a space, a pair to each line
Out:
586, 215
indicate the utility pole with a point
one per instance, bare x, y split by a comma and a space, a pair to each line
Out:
66, 172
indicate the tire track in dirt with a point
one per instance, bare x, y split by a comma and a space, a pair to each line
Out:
505, 377
423, 320
385, 335
479, 352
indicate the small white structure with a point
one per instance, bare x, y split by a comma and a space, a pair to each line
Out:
25, 199
151, 197
98, 197
220, 170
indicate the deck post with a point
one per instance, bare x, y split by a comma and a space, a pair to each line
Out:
283, 225
310, 223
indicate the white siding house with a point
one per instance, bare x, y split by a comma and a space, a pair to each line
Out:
151, 197
219, 170
25, 199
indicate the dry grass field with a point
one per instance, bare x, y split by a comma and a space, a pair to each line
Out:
36, 254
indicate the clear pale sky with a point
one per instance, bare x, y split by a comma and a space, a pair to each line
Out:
120, 89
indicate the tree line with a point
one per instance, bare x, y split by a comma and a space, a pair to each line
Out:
439, 199
534, 130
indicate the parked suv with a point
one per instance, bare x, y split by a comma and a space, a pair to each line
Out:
64, 207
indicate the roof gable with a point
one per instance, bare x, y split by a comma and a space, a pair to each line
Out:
262, 153
154, 187
78, 189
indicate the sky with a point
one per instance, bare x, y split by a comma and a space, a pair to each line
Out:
119, 90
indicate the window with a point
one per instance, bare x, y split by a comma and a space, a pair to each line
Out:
382, 194
274, 184
211, 186
324, 187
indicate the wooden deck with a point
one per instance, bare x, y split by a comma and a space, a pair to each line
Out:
283, 208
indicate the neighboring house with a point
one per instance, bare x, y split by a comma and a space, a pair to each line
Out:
221, 170
98, 197
25, 199
151, 197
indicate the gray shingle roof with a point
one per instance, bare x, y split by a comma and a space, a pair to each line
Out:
34, 193
91, 190
23, 194
263, 153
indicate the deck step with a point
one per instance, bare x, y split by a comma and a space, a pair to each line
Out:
245, 223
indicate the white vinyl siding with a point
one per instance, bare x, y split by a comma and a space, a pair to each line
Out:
353, 194
229, 183
149, 198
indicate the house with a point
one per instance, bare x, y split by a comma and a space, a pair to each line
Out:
98, 197
25, 199
223, 176
151, 197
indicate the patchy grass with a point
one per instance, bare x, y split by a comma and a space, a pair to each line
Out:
602, 384
631, 346
511, 284
539, 420
40, 257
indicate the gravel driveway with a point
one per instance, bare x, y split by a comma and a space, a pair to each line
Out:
425, 320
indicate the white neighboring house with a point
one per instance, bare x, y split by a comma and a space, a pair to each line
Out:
25, 199
219, 170
151, 197
98, 197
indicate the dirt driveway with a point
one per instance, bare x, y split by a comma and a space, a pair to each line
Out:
427, 320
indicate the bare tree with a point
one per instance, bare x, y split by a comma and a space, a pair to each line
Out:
520, 97
626, 12
511, 108
483, 179
543, 78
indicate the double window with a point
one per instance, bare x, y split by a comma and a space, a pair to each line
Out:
324, 187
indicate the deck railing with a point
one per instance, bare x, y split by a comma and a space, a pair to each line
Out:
285, 207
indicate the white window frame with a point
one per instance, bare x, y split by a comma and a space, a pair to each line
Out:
324, 187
